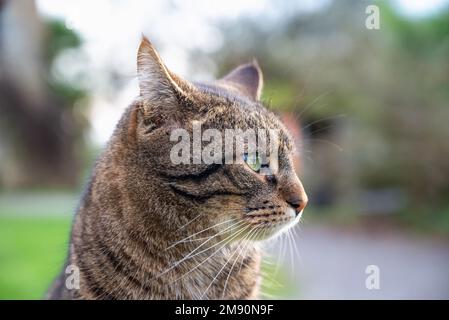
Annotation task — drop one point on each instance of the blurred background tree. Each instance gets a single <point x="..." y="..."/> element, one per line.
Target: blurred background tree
<point x="40" y="128"/>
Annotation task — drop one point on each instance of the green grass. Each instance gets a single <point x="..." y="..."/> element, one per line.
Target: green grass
<point x="434" y="222"/>
<point x="34" y="231"/>
<point x="32" y="251"/>
<point x="276" y="284"/>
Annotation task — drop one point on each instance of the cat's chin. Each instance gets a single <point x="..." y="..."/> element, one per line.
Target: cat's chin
<point x="272" y="229"/>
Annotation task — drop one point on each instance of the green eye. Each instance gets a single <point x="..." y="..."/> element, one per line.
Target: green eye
<point x="253" y="161"/>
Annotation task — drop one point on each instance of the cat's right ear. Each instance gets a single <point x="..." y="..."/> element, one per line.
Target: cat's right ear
<point x="247" y="79"/>
<point x="158" y="86"/>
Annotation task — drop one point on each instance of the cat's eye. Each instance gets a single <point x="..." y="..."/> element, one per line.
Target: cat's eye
<point x="253" y="161"/>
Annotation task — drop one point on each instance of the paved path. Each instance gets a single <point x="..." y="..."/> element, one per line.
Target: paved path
<point x="332" y="265"/>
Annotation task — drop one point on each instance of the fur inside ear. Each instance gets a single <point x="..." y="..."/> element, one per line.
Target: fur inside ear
<point x="157" y="85"/>
<point x="247" y="79"/>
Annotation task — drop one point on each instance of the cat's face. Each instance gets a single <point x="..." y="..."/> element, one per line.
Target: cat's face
<point x="246" y="194"/>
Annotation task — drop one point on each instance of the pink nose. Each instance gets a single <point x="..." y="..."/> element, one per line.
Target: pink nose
<point x="294" y="194"/>
<point x="298" y="204"/>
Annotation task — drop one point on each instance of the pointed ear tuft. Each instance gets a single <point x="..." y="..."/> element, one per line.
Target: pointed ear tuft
<point x="156" y="83"/>
<point x="247" y="79"/>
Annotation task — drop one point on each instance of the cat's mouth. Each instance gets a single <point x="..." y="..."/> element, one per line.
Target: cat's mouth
<point x="270" y="224"/>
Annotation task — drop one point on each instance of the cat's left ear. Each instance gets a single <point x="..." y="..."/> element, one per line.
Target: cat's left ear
<point x="247" y="79"/>
<point x="157" y="84"/>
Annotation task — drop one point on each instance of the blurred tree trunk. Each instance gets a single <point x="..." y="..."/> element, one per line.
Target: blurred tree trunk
<point x="36" y="140"/>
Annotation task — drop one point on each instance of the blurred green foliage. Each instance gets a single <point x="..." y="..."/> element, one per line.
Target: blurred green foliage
<point x="59" y="39"/>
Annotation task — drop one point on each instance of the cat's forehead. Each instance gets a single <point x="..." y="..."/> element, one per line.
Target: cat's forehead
<point x="230" y="109"/>
<point x="223" y="103"/>
<point x="211" y="90"/>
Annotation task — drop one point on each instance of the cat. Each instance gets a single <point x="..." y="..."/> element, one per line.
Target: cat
<point x="149" y="229"/>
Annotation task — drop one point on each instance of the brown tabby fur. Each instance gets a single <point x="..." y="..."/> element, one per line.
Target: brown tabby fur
<point x="138" y="204"/>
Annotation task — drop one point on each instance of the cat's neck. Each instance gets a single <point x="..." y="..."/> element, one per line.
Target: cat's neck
<point x="128" y="260"/>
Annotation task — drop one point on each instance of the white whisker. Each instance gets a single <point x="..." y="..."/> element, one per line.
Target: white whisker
<point x="199" y="232"/>
<point x="214" y="253"/>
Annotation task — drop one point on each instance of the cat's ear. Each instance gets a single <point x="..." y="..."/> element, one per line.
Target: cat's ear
<point x="157" y="84"/>
<point x="246" y="78"/>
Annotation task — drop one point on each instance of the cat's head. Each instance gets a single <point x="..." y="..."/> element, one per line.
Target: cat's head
<point x="252" y="197"/>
